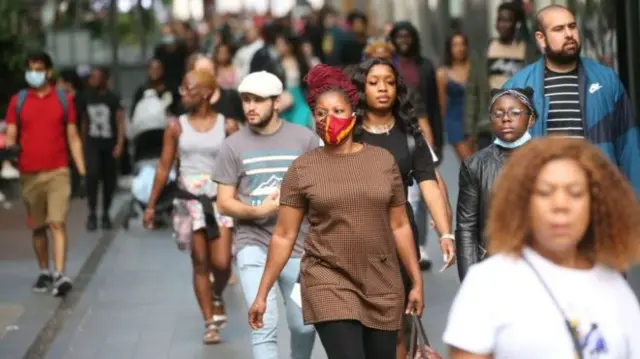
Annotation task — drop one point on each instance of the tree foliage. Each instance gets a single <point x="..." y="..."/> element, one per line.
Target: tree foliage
<point x="14" y="49"/>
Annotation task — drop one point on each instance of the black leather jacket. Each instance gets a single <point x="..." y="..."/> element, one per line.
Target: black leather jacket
<point x="477" y="176"/>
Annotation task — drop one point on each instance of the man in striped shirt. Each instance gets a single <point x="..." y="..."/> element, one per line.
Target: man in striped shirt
<point x="565" y="115"/>
<point x="578" y="97"/>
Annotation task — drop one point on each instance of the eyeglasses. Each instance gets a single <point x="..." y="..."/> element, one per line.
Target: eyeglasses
<point x="182" y="90"/>
<point x="513" y="113"/>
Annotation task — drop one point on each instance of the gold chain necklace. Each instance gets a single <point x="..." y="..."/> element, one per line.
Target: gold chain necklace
<point x="379" y="129"/>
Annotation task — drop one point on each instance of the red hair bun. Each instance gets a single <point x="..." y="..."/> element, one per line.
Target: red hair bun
<point x="323" y="78"/>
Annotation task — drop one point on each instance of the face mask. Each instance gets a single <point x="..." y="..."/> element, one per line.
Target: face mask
<point x="35" y="79"/>
<point x="526" y="137"/>
<point x="168" y="39"/>
<point x="515" y="144"/>
<point x="336" y="129"/>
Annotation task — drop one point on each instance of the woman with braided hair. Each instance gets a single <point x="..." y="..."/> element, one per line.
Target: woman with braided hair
<point x="353" y="196"/>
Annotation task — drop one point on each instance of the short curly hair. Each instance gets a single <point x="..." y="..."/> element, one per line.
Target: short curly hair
<point x="372" y="49"/>
<point x="612" y="237"/>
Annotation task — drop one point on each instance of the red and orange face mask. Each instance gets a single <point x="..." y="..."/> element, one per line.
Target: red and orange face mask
<point x="336" y="129"/>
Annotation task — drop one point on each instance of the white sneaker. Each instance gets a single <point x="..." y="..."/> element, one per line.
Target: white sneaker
<point x="8" y="171"/>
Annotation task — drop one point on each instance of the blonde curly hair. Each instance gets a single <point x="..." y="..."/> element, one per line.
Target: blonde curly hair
<point x="380" y="49"/>
<point x="612" y="237"/>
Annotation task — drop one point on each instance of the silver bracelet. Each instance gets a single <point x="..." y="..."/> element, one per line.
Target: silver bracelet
<point x="448" y="236"/>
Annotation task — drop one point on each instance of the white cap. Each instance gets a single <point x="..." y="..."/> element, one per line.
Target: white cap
<point x="263" y="84"/>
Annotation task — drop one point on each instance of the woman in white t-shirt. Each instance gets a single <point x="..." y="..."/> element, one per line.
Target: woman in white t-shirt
<point x="563" y="227"/>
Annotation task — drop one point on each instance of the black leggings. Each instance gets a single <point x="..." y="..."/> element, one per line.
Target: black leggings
<point x="101" y="168"/>
<point x="349" y="339"/>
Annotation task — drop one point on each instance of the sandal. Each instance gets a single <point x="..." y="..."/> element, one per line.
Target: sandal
<point x="232" y="279"/>
<point x="211" y="334"/>
<point x="219" y="317"/>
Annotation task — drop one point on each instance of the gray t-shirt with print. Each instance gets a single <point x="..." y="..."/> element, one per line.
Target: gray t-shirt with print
<point x="255" y="164"/>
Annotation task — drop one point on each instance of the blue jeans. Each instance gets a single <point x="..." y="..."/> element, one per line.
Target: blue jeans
<point x="251" y="261"/>
<point x="420" y="213"/>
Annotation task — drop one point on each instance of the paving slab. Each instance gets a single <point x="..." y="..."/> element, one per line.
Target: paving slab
<point x="23" y="313"/>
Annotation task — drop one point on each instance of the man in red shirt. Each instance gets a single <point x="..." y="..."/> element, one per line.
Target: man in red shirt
<point x="40" y="120"/>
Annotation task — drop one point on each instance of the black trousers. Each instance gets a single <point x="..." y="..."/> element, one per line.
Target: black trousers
<point x="126" y="162"/>
<point x="75" y="176"/>
<point x="101" y="169"/>
<point x="349" y="339"/>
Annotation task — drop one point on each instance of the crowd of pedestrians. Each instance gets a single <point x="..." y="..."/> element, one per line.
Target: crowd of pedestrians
<point x="309" y="159"/>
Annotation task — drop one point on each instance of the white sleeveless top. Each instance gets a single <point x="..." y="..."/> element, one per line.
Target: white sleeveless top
<point x="198" y="150"/>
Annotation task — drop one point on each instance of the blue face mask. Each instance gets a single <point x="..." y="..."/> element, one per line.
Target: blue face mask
<point x="168" y="39"/>
<point x="515" y="144"/>
<point x="35" y="79"/>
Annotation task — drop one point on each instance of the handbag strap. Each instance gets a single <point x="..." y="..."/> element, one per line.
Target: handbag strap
<point x="572" y="330"/>
<point x="417" y="333"/>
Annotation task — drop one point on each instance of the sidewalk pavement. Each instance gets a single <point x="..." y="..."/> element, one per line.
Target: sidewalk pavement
<point x="23" y="313"/>
<point x="135" y="300"/>
<point x="140" y="303"/>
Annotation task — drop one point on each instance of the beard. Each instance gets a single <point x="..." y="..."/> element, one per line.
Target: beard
<point x="563" y="57"/>
<point x="263" y="121"/>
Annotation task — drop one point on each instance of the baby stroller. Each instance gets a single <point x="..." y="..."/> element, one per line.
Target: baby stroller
<point x="147" y="130"/>
<point x="145" y="172"/>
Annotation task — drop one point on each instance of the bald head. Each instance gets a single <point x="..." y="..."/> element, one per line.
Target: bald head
<point x="558" y="37"/>
<point x="547" y="12"/>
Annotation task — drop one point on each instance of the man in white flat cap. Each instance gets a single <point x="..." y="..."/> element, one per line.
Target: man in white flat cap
<point x="249" y="170"/>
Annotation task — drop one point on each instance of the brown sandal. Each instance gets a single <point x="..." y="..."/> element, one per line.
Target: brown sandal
<point x="211" y="334"/>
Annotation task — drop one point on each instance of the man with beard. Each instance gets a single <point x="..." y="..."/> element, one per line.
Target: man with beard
<point x="249" y="170"/>
<point x="578" y="97"/>
<point x="419" y="74"/>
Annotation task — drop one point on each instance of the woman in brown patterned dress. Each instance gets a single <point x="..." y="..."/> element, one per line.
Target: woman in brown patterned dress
<point x="353" y="196"/>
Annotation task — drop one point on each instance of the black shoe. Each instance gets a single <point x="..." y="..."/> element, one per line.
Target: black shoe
<point x="424" y="261"/>
<point x="61" y="286"/>
<point x="425" y="264"/>
<point x="92" y="223"/>
<point x="43" y="283"/>
<point x="106" y="223"/>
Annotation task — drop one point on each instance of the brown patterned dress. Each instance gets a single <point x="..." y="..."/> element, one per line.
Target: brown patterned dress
<point x="350" y="268"/>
